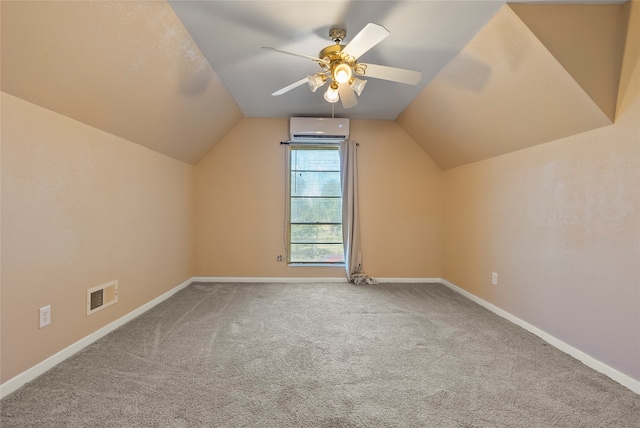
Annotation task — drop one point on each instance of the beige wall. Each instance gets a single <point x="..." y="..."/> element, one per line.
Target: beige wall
<point x="560" y="224"/>
<point x="240" y="194"/>
<point x="81" y="207"/>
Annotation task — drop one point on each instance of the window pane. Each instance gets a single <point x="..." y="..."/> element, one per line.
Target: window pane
<point x="316" y="210"/>
<point x="307" y="159"/>
<point x="308" y="183"/>
<point x="316" y="233"/>
<point x="316" y="253"/>
<point x="315" y="202"/>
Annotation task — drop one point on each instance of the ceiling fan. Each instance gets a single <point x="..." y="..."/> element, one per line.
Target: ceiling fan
<point x="340" y="66"/>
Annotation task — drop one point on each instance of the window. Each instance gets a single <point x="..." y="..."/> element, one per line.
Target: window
<point x="315" y="205"/>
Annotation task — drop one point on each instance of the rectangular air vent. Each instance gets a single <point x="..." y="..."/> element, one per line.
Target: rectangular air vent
<point x="101" y="297"/>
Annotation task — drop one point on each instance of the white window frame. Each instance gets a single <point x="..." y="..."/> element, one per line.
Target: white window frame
<point x="333" y="145"/>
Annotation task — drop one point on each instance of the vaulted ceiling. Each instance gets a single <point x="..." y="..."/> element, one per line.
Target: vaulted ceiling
<point x="177" y="76"/>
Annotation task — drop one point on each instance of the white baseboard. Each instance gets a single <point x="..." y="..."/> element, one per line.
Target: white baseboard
<point x="265" y="279"/>
<point x="13" y="384"/>
<point x="587" y="360"/>
<point x="254" y="279"/>
<point x="27" y="376"/>
<point x="408" y="280"/>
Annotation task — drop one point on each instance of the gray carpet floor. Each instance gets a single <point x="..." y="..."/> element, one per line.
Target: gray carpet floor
<point x="320" y="355"/>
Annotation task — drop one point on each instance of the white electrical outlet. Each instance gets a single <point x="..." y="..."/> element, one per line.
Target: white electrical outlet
<point x="494" y="278"/>
<point x="45" y="316"/>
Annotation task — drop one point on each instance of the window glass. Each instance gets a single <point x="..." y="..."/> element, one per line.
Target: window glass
<point x="315" y="205"/>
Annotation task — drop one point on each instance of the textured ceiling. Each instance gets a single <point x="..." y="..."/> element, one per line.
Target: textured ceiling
<point x="425" y="35"/>
<point x="506" y="90"/>
<point x="177" y="76"/>
<point x="128" y="68"/>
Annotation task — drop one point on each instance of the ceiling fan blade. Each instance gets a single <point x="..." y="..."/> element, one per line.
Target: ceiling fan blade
<point x="368" y="37"/>
<point x="347" y="96"/>
<point x="291" y="86"/>
<point x="393" y="74"/>
<point x="312" y="58"/>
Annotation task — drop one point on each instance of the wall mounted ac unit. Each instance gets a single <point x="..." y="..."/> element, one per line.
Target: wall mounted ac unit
<point x="310" y="128"/>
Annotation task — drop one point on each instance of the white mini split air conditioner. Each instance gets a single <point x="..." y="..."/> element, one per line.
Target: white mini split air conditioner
<point x="308" y="128"/>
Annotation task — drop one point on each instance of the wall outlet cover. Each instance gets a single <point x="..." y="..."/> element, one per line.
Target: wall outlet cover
<point x="45" y="316"/>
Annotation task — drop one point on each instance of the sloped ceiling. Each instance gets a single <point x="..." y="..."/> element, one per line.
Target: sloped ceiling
<point x="496" y="78"/>
<point x="506" y="90"/>
<point x="128" y="68"/>
<point x="586" y="40"/>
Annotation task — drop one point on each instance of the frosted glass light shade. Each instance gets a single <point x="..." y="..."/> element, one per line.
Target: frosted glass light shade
<point x="358" y="85"/>
<point x="342" y="73"/>
<point x="332" y="94"/>
<point x="315" y="81"/>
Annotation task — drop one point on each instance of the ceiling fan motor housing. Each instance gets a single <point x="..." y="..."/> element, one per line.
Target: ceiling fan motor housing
<point x="333" y="54"/>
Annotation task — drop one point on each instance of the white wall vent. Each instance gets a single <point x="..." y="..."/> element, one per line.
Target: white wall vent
<point x="101" y="297"/>
<point x="310" y="128"/>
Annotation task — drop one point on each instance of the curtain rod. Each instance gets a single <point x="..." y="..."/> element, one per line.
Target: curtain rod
<point x="312" y="142"/>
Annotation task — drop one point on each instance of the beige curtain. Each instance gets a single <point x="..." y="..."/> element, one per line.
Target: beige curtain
<point x="351" y="214"/>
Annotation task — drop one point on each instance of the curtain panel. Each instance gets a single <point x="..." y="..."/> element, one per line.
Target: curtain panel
<point x="351" y="214"/>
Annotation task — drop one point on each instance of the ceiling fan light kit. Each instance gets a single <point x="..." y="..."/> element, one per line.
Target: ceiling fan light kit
<point x="332" y="94"/>
<point x="357" y="85"/>
<point x="342" y="73"/>
<point x="315" y="81"/>
<point x="340" y="65"/>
